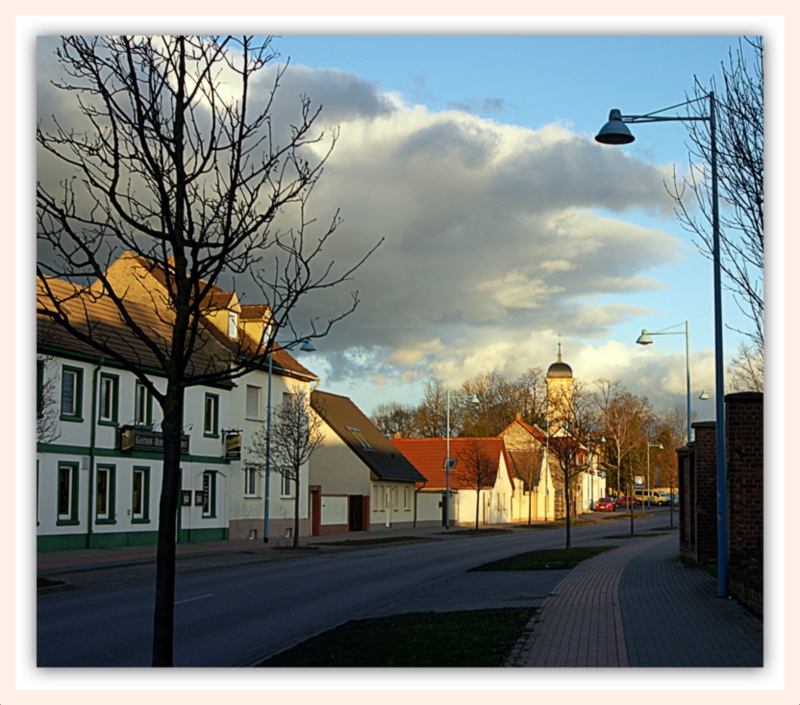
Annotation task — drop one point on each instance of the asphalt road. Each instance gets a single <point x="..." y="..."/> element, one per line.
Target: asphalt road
<point x="237" y="610"/>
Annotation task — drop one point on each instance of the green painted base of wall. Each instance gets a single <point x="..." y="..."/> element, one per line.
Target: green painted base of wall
<point x="79" y="542"/>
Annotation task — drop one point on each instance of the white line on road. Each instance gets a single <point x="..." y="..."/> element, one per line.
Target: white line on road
<point x="192" y="599"/>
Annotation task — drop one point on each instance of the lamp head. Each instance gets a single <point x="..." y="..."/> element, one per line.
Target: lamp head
<point x="644" y="339"/>
<point x="307" y="346"/>
<point x="703" y="395"/>
<point x="615" y="131"/>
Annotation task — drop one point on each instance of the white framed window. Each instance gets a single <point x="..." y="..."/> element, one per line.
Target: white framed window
<point x="232" y="325"/>
<point x="406" y="495"/>
<point x="109" y="396"/>
<point x="209" y="494"/>
<point x="104" y="494"/>
<point x="251" y="481"/>
<point x="253" y="403"/>
<point x="71" y="393"/>
<point x="140" y="499"/>
<point x="67" y="493"/>
<point x="211" y="415"/>
<point x="143" y="406"/>
<point x="287" y="486"/>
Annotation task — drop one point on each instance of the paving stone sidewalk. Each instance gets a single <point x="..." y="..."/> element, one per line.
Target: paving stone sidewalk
<point x="639" y="606"/>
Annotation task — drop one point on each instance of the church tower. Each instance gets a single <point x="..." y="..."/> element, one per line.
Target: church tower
<point x="559" y="394"/>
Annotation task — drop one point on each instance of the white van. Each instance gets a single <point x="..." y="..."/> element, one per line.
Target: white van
<point x="654" y="496"/>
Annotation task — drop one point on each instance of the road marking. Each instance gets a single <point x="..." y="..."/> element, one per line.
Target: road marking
<point x="192" y="599"/>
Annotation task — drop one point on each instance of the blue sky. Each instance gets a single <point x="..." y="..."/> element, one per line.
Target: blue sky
<point x="506" y="226"/>
<point x="571" y="81"/>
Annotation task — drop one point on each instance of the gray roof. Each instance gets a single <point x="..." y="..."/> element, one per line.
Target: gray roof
<point x="364" y="439"/>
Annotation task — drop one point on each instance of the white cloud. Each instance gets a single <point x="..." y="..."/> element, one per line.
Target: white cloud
<point x="496" y="236"/>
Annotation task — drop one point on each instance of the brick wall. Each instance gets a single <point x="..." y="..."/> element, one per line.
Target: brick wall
<point x="744" y="424"/>
<point x="744" y="432"/>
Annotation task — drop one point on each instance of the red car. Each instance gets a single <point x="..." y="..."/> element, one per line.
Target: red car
<point x="627" y="502"/>
<point x="605" y="504"/>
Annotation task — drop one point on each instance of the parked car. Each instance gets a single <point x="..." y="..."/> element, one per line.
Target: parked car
<point x="656" y="497"/>
<point x="627" y="502"/>
<point x="605" y="504"/>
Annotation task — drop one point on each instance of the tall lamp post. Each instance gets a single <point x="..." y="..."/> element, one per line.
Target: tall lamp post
<point x="305" y="346"/>
<point x="649" y="446"/>
<point x="616" y="132"/>
<point x="645" y="339"/>
<point x="448" y="463"/>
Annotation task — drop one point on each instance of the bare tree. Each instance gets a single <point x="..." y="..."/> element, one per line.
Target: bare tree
<point x="574" y="418"/>
<point x="295" y="434"/>
<point x="432" y="411"/>
<point x="476" y="468"/>
<point x="746" y="372"/>
<point x="623" y="417"/>
<point x="740" y="169"/>
<point x="177" y="160"/>
<point x="48" y="428"/>
<point x="393" y="417"/>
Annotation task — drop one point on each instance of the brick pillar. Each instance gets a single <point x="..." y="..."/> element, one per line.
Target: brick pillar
<point x="704" y="491"/>
<point x="685" y="482"/>
<point x="744" y="421"/>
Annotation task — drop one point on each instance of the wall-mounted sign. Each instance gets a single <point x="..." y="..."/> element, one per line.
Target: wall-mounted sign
<point x="186" y="498"/>
<point x="233" y="446"/>
<point x="199" y="498"/>
<point x="130" y="439"/>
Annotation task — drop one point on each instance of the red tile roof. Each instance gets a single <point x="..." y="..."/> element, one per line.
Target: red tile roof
<point x="533" y="430"/>
<point x="428" y="456"/>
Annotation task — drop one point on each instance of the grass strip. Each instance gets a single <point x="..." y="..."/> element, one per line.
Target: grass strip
<point x="471" y="639"/>
<point x="551" y="559"/>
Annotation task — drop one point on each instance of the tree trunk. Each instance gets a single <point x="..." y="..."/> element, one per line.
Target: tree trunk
<point x="569" y="512"/>
<point x="163" y="616"/>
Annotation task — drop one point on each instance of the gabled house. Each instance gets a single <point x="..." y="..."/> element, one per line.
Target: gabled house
<point x="99" y="463"/>
<point x="481" y="485"/>
<point x="534" y="491"/>
<point x="358" y="480"/>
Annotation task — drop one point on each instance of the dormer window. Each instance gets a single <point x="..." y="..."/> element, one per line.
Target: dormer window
<point x="232" y="325"/>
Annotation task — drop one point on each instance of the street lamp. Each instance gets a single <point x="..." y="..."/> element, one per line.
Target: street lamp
<point x="305" y="346"/>
<point x="448" y="462"/>
<point x="649" y="446"/>
<point x="615" y="132"/>
<point x="644" y="339"/>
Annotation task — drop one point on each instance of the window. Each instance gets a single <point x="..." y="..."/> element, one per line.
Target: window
<point x="71" y="394"/>
<point x="67" y="493"/>
<point x="405" y="498"/>
<point x="253" y="410"/>
<point x="140" y="503"/>
<point x="287" y="486"/>
<point x="39" y="388"/>
<point x="104" y="494"/>
<point x="209" y="494"/>
<point x="211" y="415"/>
<point x="143" y="406"/>
<point x="359" y="437"/>
<point x="250" y="481"/>
<point x="109" y="398"/>
<point x="232" y="326"/>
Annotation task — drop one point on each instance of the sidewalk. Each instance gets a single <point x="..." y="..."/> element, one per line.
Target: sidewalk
<point x="602" y="614"/>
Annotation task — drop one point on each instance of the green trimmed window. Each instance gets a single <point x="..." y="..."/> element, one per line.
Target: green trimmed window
<point x="108" y="413"/>
<point x="140" y="500"/>
<point x="211" y="415"/>
<point x="71" y="394"/>
<point x="143" y="406"/>
<point x="209" y="494"/>
<point x="104" y="494"/>
<point x="67" y="493"/>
